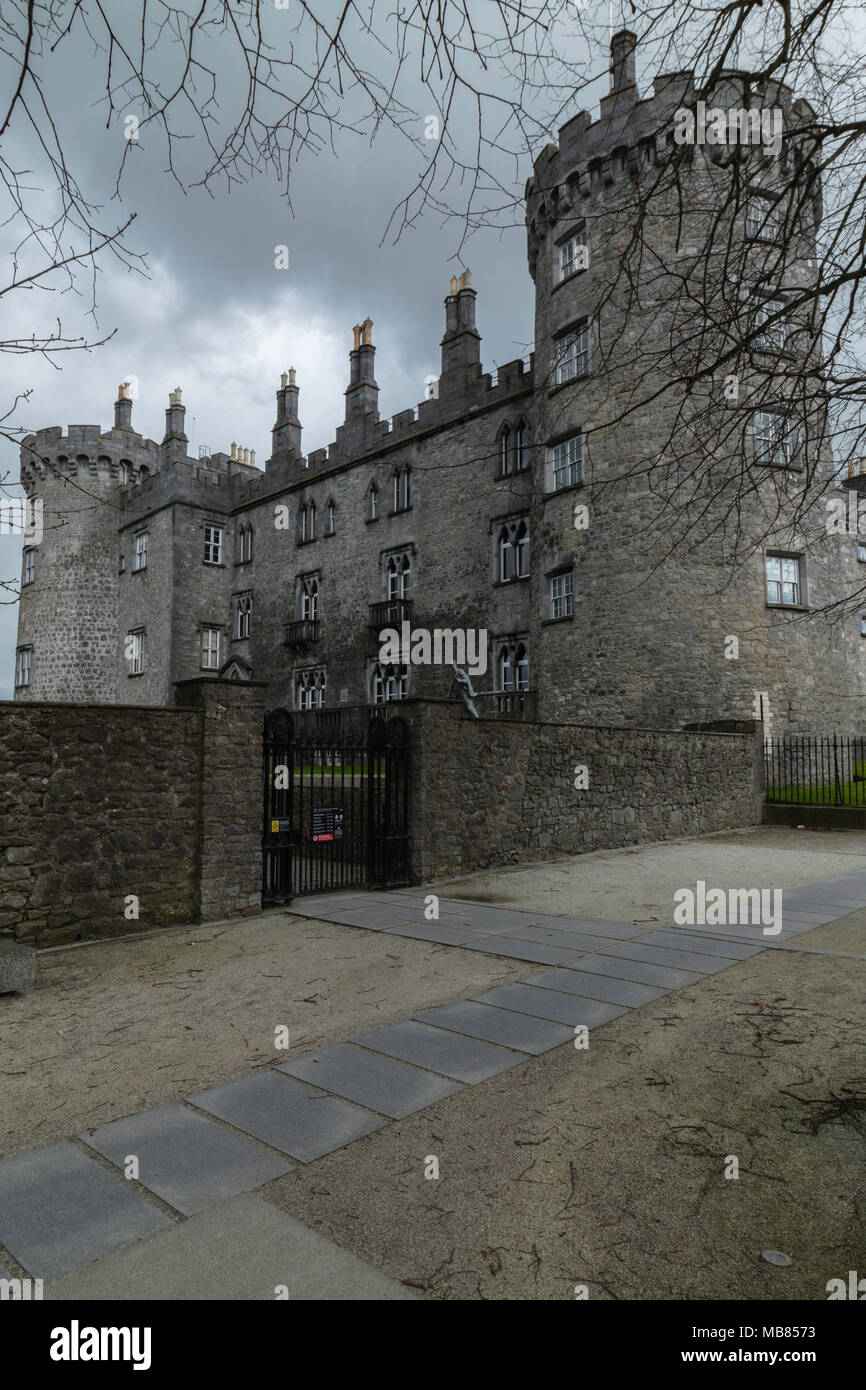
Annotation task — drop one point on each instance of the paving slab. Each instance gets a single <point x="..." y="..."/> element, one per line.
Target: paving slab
<point x="293" y="1118"/>
<point x="520" y="1031"/>
<point x="60" y="1209"/>
<point x="570" y="941"/>
<point x="393" y="1088"/>
<point x="678" y="939"/>
<point x="464" y="1059"/>
<point x="665" y="976"/>
<point x="596" y="926"/>
<point x="437" y="931"/>
<point x="681" y="960"/>
<point x="551" y="1004"/>
<point x="589" y="986"/>
<point x="187" y="1160"/>
<point x="242" y="1250"/>
<point x="521" y="950"/>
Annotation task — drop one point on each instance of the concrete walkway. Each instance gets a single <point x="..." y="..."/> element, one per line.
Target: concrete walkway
<point x="144" y="1206"/>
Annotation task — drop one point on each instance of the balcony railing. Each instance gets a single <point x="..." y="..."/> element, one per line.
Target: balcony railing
<point x="302" y="633"/>
<point x="506" y="704"/>
<point x="391" y="613"/>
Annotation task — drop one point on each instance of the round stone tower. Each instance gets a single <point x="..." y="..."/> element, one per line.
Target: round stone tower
<point x="648" y="640"/>
<point x="68" y="612"/>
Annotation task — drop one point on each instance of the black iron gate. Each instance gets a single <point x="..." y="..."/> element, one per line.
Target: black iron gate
<point x="336" y="804"/>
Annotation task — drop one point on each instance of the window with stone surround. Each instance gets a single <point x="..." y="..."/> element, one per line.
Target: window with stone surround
<point x="139" y="559"/>
<point x="773" y="438"/>
<point x="502" y="451"/>
<point x="561" y="595"/>
<point x="310" y="688"/>
<point x="565" y="462"/>
<point x="521" y="447"/>
<point x="513" y="550"/>
<point x="512" y="665"/>
<point x="213" y="545"/>
<point x="135" y="651"/>
<point x="211" y="644"/>
<point x="29" y="565"/>
<point x="23" y="657"/>
<point x="398" y="575"/>
<point x="243" y="612"/>
<point x="783" y="580"/>
<point x="571" y="355"/>
<point x="372" y="502"/>
<point x="388" y="682"/>
<point x="570" y="255"/>
<point x="308" y="597"/>
<point x="763" y="217"/>
<point x="244" y="551"/>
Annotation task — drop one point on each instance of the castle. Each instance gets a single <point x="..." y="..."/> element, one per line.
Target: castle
<point x="506" y="504"/>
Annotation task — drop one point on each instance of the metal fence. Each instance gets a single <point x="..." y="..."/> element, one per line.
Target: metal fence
<point x="819" y="769"/>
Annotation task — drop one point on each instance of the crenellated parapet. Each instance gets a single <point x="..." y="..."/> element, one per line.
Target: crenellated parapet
<point x="634" y="138"/>
<point x="86" y="452"/>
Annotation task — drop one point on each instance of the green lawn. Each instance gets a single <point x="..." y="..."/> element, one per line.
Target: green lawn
<point x="825" y="794"/>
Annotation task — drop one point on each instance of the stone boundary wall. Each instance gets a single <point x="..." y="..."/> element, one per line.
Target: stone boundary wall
<point x="100" y="802"/>
<point x="492" y="792"/>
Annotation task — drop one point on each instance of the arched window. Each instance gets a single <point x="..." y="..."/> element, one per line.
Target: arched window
<point x="521" y="448"/>
<point x="504" y="437"/>
<point x="506" y="555"/>
<point x="373" y="502"/>
<point x="389" y="683"/>
<point x="522" y="548"/>
<point x="311" y="521"/>
<point x="143" y="472"/>
<point x="302" y="524"/>
<point x="395" y="485"/>
<point x="405" y="490"/>
<point x="399" y="575"/>
<point x="243" y="615"/>
<point x="512" y="667"/>
<point x="505" y="670"/>
<point x="512" y="560"/>
<point x="310" y="689"/>
<point x="240" y="545"/>
<point x="522" y="663"/>
<point x="248" y="544"/>
<point x="310" y="598"/>
<point x="332" y="517"/>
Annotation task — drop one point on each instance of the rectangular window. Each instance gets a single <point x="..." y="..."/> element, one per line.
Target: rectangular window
<point x="772" y="439"/>
<point x="783" y="579"/>
<point x="562" y="596"/>
<point x="861" y="553"/>
<point x="213" y="545"/>
<point x="29" y="565"/>
<point x="135" y="652"/>
<point x="571" y="255"/>
<point x="210" y="648"/>
<point x="863" y="624"/>
<point x="567" y="462"/>
<point x="571" y="355"/>
<point x="771" y="338"/>
<point x="22" y="666"/>
<point x="140" y="560"/>
<point x="763" y="218"/>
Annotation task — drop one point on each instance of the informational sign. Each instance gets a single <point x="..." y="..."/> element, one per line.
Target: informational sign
<point x="278" y="826"/>
<point x="327" y="824"/>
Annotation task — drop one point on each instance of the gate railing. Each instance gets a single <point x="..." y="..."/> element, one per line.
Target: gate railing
<point x="821" y="769"/>
<point x="336" y="806"/>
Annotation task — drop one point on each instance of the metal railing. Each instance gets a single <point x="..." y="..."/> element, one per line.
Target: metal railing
<point x="817" y="769"/>
<point x="389" y="613"/>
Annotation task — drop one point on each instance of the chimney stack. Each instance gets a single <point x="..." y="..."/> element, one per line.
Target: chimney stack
<point x="174" y="444"/>
<point x="622" y="60"/>
<point x="286" y="433"/>
<point x="362" y="395"/>
<point x="461" y="345"/>
<point x="123" y="408"/>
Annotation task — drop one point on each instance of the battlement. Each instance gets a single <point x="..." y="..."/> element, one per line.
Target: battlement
<point x="484" y="391"/>
<point x="633" y="134"/>
<point x="86" y="451"/>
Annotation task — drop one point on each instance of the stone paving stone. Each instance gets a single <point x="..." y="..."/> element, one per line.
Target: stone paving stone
<point x="677" y="939"/>
<point x="550" y="1003"/>
<point x="383" y="1084"/>
<point x="464" y="1059"/>
<point x="680" y="960"/>
<point x="520" y="1031"/>
<point x="437" y="931"/>
<point x="545" y="936"/>
<point x="596" y="926"/>
<point x="589" y="986"/>
<point x="60" y="1209"/>
<point x="293" y="1118"/>
<point x="665" y="976"/>
<point x="521" y="950"/>
<point x="185" y="1159"/>
<point x="242" y="1250"/>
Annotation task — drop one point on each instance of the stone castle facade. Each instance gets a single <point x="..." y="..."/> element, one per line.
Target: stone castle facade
<point x="506" y="502"/>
